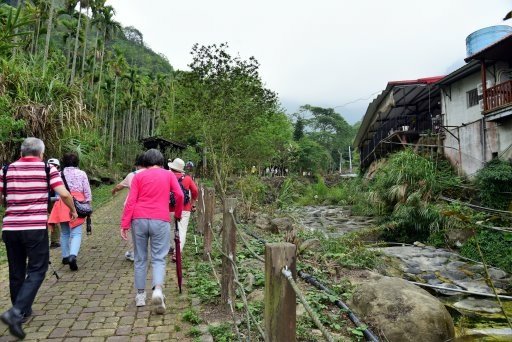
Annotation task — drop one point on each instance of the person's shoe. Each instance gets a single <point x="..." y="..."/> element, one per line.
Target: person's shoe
<point x="72" y="263"/>
<point x="65" y="261"/>
<point x="26" y="317"/>
<point x="54" y="245"/>
<point x="129" y="255"/>
<point x="158" y="300"/>
<point x="140" y="299"/>
<point x="171" y="250"/>
<point x="13" y="320"/>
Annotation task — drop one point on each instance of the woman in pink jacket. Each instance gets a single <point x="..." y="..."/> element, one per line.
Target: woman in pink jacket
<point x="147" y="214"/>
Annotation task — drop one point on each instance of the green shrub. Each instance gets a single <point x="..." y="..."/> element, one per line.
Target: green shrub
<point x="191" y="316"/>
<point x="405" y="187"/>
<point x="222" y="333"/>
<point x="496" y="248"/>
<point x="493" y="182"/>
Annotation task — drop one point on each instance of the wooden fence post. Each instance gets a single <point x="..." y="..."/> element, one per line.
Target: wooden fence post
<point x="229" y="248"/>
<point x="200" y="210"/>
<point x="280" y="308"/>
<point x="209" y="211"/>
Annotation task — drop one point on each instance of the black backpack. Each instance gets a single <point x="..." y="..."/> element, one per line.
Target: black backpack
<point x="186" y="193"/>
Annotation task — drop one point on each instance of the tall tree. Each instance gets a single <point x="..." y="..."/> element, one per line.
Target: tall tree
<point x="110" y="27"/>
<point x="49" y="26"/>
<point x="222" y="98"/>
<point x="71" y="5"/>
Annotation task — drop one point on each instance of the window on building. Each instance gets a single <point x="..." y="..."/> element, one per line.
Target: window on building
<point x="473" y="97"/>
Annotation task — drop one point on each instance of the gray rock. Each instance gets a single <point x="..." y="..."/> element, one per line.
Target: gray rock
<point x="256" y="296"/>
<point x="428" y="276"/>
<point x="453" y="274"/>
<point x="478" y="305"/>
<point x="448" y="292"/>
<point x="249" y="282"/>
<point x="496" y="273"/>
<point x="456" y="237"/>
<point x="262" y="222"/>
<point x="311" y="244"/>
<point x="281" y="224"/>
<point x="402" y="311"/>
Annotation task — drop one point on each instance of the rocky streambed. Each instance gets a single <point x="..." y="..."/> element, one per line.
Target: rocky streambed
<point x="482" y="315"/>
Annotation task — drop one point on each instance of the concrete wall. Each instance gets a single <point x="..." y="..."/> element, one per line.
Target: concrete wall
<point x="456" y="106"/>
<point x="478" y="139"/>
<point x="472" y="142"/>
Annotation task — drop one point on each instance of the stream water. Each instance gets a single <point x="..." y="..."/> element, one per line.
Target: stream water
<point x="477" y="317"/>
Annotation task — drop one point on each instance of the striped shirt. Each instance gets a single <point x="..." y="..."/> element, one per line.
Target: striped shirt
<point x="27" y="194"/>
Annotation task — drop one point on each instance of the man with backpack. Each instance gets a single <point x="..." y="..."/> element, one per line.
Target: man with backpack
<point x="25" y="186"/>
<point x="190" y="193"/>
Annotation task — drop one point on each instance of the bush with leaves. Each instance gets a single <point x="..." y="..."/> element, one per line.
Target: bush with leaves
<point x="494" y="183"/>
<point x="496" y="248"/>
<point x="405" y="186"/>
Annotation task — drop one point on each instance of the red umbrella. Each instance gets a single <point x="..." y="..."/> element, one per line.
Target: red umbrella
<point x="177" y="250"/>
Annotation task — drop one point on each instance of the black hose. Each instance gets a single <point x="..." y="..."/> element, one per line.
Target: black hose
<point x="313" y="281"/>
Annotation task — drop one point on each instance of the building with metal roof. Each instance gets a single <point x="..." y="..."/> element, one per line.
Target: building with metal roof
<point x="403" y="112"/>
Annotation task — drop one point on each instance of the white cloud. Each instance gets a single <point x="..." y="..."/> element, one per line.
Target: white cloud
<point x="323" y="52"/>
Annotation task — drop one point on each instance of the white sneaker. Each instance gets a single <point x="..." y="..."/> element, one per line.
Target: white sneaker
<point x="158" y="301"/>
<point x="129" y="256"/>
<point x="140" y="299"/>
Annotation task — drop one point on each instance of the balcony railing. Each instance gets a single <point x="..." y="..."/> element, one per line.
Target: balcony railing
<point x="498" y="96"/>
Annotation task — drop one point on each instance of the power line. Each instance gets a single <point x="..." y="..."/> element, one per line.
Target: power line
<point x="359" y="99"/>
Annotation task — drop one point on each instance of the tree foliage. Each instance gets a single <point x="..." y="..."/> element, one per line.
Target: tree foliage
<point x="494" y="183"/>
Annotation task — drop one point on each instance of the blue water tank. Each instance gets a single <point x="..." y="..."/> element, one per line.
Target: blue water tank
<point x="482" y="38"/>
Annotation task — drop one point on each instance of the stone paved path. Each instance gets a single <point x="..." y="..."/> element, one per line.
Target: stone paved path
<point x="97" y="302"/>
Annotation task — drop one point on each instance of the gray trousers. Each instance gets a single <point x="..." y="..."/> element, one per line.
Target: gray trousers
<point x="157" y="233"/>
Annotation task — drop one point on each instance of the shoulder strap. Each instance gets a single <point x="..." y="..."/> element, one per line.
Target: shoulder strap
<point x="64" y="179"/>
<point x="47" y="171"/>
<point x="4" y="189"/>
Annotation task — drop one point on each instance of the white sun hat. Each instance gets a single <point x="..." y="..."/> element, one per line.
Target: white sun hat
<point x="177" y="165"/>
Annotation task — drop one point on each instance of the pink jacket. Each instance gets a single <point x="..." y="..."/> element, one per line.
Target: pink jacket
<point x="149" y="197"/>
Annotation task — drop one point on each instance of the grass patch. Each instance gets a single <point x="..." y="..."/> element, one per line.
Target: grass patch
<point x="222" y="333"/>
<point x="101" y="195"/>
<point x="194" y="332"/>
<point x="496" y="248"/>
<point x="191" y="316"/>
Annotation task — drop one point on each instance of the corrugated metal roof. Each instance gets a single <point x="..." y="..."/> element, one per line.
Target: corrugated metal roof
<point x="399" y="98"/>
<point x="462" y="72"/>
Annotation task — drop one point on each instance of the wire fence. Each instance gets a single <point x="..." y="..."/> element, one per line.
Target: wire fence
<point x="251" y="320"/>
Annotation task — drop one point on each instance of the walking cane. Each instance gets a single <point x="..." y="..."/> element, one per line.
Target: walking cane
<point x="54" y="270"/>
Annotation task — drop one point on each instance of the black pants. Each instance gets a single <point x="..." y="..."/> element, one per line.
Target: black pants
<point x="26" y="278"/>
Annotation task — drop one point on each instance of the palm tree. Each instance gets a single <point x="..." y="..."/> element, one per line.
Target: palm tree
<point x="110" y="27"/>
<point x="72" y="4"/>
<point x="133" y="78"/>
<point x="118" y="65"/>
<point x="48" y="34"/>
<point x="87" y="4"/>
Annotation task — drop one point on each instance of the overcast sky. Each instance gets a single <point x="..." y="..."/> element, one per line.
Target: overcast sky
<point x="320" y="52"/>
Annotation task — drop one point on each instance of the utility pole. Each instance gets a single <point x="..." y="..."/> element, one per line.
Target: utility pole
<point x="341" y="155"/>
<point x="350" y="158"/>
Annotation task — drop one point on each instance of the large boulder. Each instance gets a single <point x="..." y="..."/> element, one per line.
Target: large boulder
<point x="401" y="311"/>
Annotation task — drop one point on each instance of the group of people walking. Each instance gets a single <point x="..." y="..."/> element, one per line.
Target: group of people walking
<point x="31" y="188"/>
<point x="150" y="215"/>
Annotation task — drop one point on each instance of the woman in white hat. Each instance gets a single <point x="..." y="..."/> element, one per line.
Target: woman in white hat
<point x="189" y="188"/>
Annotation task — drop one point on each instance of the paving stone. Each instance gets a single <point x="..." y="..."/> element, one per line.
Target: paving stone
<point x="159" y="337"/>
